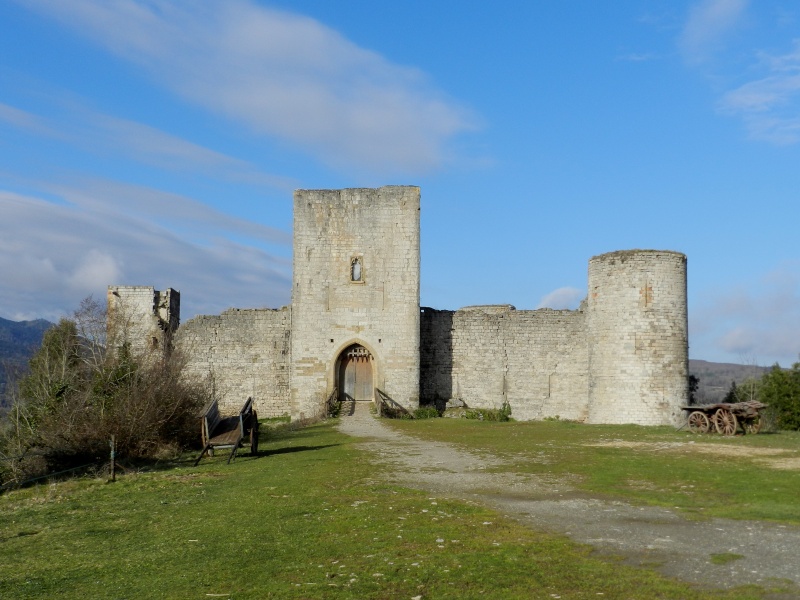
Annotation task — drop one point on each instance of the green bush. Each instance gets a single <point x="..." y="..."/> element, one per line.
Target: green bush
<point x="395" y="412"/>
<point x="780" y="388"/>
<point x="427" y="412"/>
<point x="490" y="414"/>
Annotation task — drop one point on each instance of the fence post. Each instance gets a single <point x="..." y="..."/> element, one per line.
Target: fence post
<point x="113" y="459"/>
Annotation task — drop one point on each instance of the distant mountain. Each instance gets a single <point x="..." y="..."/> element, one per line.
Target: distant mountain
<point x="715" y="378"/>
<point x="18" y="342"/>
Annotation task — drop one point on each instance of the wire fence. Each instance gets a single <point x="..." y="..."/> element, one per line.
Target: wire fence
<point x="18" y="484"/>
<point x="100" y="465"/>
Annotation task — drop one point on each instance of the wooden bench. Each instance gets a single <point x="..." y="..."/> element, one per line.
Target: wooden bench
<point x="228" y="432"/>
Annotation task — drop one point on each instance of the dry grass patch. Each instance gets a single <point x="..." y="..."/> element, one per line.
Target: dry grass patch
<point x="731" y="451"/>
<point x="788" y="464"/>
<point x="745" y="477"/>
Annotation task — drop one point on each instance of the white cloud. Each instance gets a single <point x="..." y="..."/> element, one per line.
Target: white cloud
<point x="94" y="271"/>
<point x="565" y="297"/>
<point x="280" y="74"/>
<point x="100" y="133"/>
<point x="759" y="319"/>
<point x="113" y="198"/>
<point x="54" y="254"/>
<point x="637" y="57"/>
<point x="25" y="120"/>
<point x="768" y="100"/>
<point x="770" y="105"/>
<point x="760" y="342"/>
<point x="708" y="24"/>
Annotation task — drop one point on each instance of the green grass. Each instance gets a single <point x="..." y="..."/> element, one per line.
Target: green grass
<point x="668" y="468"/>
<point x="309" y="518"/>
<point x="724" y="558"/>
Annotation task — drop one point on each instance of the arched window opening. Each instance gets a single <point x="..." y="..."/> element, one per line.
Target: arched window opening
<point x="356" y="270"/>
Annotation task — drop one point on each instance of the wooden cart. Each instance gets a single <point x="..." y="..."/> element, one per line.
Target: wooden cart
<point x="228" y="432"/>
<point x="725" y="418"/>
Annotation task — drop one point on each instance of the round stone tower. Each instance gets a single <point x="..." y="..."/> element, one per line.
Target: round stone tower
<point x="638" y="337"/>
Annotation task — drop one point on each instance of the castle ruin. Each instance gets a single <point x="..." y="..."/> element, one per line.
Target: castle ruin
<point x="355" y="325"/>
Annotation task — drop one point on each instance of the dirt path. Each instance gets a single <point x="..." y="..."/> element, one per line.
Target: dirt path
<point x="653" y="537"/>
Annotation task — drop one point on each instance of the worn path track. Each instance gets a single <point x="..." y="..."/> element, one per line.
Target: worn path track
<point x="655" y="537"/>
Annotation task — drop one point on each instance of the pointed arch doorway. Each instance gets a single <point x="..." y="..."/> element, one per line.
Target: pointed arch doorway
<point x="354" y="374"/>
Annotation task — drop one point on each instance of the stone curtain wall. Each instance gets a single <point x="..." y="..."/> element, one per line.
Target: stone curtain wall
<point x="621" y="358"/>
<point x="246" y="352"/>
<point x="547" y="364"/>
<point x="536" y="360"/>
<point x="380" y="228"/>
<point x="638" y="337"/>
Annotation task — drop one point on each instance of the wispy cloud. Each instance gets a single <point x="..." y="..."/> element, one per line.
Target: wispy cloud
<point x="280" y="74"/>
<point x="770" y="105"/>
<point x="113" y="199"/>
<point x="565" y="297"/>
<point x="52" y="254"/>
<point x="73" y="234"/>
<point x="764" y="324"/>
<point x="637" y="57"/>
<point x="26" y="121"/>
<point x="101" y="133"/>
<point x="707" y="26"/>
<point x="768" y="100"/>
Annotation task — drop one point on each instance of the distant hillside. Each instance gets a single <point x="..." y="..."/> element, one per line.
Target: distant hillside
<point x="716" y="378"/>
<point x="18" y="341"/>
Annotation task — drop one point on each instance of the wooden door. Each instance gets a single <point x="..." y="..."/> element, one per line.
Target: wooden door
<point x="355" y="374"/>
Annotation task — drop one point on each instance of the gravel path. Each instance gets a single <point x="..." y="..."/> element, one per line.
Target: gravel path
<point x="653" y="537"/>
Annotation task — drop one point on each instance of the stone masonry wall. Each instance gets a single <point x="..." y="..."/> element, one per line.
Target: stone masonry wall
<point x="621" y="358"/>
<point x="535" y="360"/>
<point x="638" y="337"/>
<point x="246" y="352"/>
<point x="332" y="228"/>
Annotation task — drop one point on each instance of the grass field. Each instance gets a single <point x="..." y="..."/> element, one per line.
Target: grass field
<point x="741" y="477"/>
<point x="311" y="518"/>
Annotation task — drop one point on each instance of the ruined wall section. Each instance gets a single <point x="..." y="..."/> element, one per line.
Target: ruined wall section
<point x="142" y="317"/>
<point x="332" y="228"/>
<point x="638" y="337"/>
<point x="436" y="355"/>
<point x="243" y="353"/>
<point x="535" y="360"/>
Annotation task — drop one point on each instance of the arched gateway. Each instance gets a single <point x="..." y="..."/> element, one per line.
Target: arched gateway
<point x="354" y="374"/>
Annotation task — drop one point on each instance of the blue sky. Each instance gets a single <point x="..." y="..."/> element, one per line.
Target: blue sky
<point x="158" y="143"/>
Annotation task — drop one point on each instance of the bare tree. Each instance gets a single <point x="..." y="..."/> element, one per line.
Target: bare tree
<point x="81" y="390"/>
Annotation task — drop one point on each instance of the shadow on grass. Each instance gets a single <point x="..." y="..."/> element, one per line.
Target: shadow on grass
<point x="282" y="432"/>
<point x="247" y="456"/>
<point x="291" y="449"/>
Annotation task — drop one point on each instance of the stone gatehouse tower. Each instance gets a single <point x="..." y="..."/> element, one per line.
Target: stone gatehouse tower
<point x="355" y="325"/>
<point x="355" y="295"/>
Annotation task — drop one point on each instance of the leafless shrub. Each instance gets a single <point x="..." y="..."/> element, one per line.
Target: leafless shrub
<point x="80" y="392"/>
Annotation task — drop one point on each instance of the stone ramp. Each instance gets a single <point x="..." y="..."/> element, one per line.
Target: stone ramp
<point x="352" y="409"/>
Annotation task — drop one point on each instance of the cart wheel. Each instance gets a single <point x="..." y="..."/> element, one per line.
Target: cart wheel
<point x="254" y="435"/>
<point x="725" y="422"/>
<point x="753" y="425"/>
<point x="698" y="422"/>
